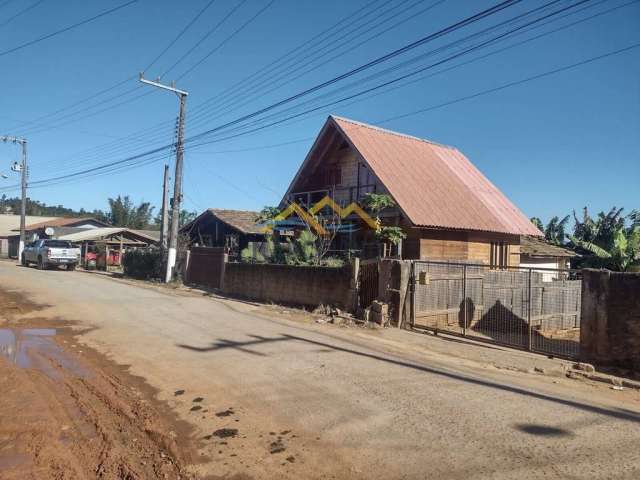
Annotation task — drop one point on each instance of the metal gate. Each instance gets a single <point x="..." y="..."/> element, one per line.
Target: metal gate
<point x="536" y="309"/>
<point x="367" y="283"/>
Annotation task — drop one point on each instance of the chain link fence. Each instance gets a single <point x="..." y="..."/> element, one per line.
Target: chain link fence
<point x="531" y="308"/>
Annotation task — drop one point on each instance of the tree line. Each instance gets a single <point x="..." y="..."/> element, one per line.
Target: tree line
<point x="122" y="211"/>
<point x="608" y="240"/>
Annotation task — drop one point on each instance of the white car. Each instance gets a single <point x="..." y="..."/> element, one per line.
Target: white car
<point x="48" y="253"/>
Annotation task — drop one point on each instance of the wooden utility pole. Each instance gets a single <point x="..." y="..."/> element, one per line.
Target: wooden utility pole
<point x="177" y="180"/>
<point x="164" y="225"/>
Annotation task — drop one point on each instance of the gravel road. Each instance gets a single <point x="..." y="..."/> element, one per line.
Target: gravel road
<point x="275" y="398"/>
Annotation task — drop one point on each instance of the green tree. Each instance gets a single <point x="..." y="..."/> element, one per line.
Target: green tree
<point x="606" y="241"/>
<point x="186" y="217"/>
<point x="537" y="223"/>
<point x="555" y="231"/>
<point x="123" y="213"/>
<point x="376" y="203"/>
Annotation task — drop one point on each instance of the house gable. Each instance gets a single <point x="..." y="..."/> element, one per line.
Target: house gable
<point x="435" y="186"/>
<point x="332" y="167"/>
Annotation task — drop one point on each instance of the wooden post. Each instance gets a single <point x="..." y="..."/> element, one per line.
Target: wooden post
<point x="121" y="251"/>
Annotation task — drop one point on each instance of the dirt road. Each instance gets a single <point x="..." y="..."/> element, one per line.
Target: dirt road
<point x="274" y="398"/>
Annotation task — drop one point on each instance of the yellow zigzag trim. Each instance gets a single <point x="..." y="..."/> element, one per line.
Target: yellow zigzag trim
<point x="344" y="212"/>
<point x="327" y="201"/>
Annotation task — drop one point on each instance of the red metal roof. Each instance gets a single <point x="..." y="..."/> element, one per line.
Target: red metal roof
<point x="434" y="185"/>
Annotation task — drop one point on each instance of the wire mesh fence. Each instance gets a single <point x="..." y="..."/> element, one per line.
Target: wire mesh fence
<point x="531" y="308"/>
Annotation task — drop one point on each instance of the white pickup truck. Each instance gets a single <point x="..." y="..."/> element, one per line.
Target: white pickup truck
<point x="47" y="253"/>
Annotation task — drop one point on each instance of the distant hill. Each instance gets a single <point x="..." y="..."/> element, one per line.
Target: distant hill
<point x="36" y="208"/>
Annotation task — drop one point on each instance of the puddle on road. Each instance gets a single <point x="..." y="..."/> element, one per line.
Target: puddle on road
<point x="35" y="348"/>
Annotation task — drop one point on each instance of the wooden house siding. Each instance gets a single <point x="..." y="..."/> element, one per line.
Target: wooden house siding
<point x="445" y="245"/>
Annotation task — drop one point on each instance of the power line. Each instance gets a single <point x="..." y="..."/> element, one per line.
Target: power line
<point x="277" y="63"/>
<point x="512" y="84"/>
<point x="221" y="44"/>
<point x="16" y="15"/>
<point x="439" y="106"/>
<point x="66" y="29"/>
<point x="136" y="137"/>
<point x="210" y="32"/>
<point x="120" y="83"/>
<point x="177" y="37"/>
<point x="377" y="61"/>
<point x="396" y="52"/>
<point x="508" y="34"/>
<point x="415" y="112"/>
<point x="226" y="103"/>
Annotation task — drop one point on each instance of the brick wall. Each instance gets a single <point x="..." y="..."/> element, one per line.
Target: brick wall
<point x="610" y="327"/>
<point x="294" y="285"/>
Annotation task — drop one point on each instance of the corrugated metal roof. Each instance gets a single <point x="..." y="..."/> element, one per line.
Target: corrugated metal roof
<point x="100" y="233"/>
<point x="64" y="222"/>
<point x="10" y="223"/>
<point x="434" y="185"/>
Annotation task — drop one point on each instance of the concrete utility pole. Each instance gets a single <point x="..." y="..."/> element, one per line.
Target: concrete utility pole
<point x="164" y="225"/>
<point x="22" y="168"/>
<point x="177" y="181"/>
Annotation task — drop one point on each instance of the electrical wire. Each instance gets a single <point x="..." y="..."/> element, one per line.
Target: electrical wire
<point x="474" y="18"/>
<point x="286" y="73"/>
<point x="497" y="88"/>
<point x="23" y="11"/>
<point x="204" y="37"/>
<point x="66" y="29"/>
<point x="154" y="128"/>
<point x="465" y="22"/>
<point x="179" y="35"/>
<point x="221" y="44"/>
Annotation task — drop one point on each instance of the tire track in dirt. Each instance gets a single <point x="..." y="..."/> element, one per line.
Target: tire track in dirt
<point x="69" y="413"/>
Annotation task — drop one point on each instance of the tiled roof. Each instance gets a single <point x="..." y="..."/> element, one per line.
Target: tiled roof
<point x="242" y="220"/>
<point x="434" y="185"/>
<point x="537" y="247"/>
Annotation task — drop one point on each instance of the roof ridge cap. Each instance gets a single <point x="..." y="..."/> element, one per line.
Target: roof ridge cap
<point x="392" y="132"/>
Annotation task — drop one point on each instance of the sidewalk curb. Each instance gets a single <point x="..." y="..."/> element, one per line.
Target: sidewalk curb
<point x="604" y="378"/>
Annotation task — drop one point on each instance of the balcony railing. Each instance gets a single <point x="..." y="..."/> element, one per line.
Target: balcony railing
<point x="343" y="196"/>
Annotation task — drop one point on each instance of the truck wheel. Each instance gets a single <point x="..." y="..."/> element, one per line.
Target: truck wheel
<point x="41" y="264"/>
<point x="23" y="260"/>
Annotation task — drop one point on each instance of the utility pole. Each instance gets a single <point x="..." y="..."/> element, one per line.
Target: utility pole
<point x="22" y="168"/>
<point x="164" y="225"/>
<point x="177" y="181"/>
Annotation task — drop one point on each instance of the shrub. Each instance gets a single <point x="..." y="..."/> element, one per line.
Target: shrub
<point x="332" y="262"/>
<point x="143" y="264"/>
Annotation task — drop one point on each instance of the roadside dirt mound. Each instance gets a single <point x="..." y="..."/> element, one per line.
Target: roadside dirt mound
<point x="67" y="414"/>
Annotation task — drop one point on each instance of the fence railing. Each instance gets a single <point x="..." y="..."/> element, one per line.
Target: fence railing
<point x="532" y="308"/>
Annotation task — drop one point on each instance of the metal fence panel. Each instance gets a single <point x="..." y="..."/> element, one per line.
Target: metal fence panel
<point x="534" y="309"/>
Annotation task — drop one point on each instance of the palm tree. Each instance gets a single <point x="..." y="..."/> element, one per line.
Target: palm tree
<point x="555" y="231"/>
<point x="537" y="223"/>
<point x="607" y="242"/>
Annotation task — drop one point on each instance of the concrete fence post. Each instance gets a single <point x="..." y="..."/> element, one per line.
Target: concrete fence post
<point x="355" y="283"/>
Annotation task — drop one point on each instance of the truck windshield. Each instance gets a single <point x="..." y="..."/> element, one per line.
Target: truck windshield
<point x="57" y="244"/>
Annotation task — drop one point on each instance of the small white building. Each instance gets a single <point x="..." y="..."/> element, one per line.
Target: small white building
<point x="537" y="253"/>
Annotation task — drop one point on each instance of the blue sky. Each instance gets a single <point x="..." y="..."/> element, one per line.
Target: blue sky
<point x="554" y="144"/>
